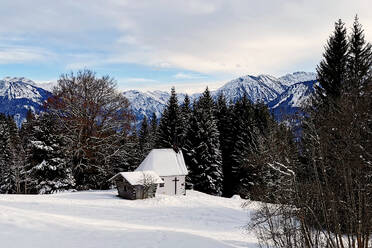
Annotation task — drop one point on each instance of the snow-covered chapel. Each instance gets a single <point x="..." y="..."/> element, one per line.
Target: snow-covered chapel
<point x="171" y="168"/>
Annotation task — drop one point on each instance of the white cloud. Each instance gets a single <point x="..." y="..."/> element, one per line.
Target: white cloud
<point x="136" y="80"/>
<point x="17" y="54"/>
<point x="182" y="75"/>
<point x="231" y="36"/>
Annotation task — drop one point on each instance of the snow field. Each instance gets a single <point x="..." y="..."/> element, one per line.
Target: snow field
<point x="101" y="219"/>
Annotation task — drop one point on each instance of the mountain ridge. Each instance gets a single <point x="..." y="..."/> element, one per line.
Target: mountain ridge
<point x="18" y="95"/>
<point x="283" y="95"/>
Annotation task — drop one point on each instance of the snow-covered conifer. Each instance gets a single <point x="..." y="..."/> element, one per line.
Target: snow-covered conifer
<point x="202" y="148"/>
<point x="47" y="167"/>
<point x="169" y="130"/>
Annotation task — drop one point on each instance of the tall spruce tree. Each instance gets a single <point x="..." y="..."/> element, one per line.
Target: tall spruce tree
<point x="134" y="155"/>
<point x="47" y="167"/>
<point x="223" y="114"/>
<point x="169" y="130"/>
<point x="244" y="173"/>
<point x="17" y="152"/>
<point x="333" y="68"/>
<point x="359" y="57"/>
<point x="153" y="130"/>
<point x="144" y="138"/>
<point x="203" y="155"/>
<point x="185" y="115"/>
<point x="7" y="176"/>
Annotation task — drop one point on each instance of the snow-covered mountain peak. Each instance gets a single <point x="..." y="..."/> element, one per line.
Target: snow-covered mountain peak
<point x="17" y="88"/>
<point x="257" y="88"/>
<point x="18" y="95"/>
<point x="18" y="79"/>
<point x="296" y="77"/>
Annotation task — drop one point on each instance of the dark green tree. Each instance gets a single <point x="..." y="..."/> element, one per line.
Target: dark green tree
<point x="359" y="57"/>
<point x="7" y="177"/>
<point x="185" y="115"/>
<point x="47" y="167"/>
<point x="153" y="130"/>
<point x="202" y="148"/>
<point x="144" y="138"/>
<point x="246" y="132"/>
<point x="224" y="116"/>
<point x="333" y="68"/>
<point x="169" y="130"/>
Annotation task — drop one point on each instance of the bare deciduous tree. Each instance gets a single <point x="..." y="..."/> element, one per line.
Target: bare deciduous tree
<point x="93" y="115"/>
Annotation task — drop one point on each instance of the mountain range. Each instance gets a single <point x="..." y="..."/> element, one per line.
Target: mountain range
<point x="18" y="95"/>
<point x="283" y="95"/>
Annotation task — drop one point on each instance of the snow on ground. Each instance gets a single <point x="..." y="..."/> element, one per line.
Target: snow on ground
<point x="101" y="219"/>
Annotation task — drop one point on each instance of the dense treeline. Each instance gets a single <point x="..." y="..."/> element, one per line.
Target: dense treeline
<point x="324" y="199"/>
<point x="220" y="141"/>
<point x="87" y="134"/>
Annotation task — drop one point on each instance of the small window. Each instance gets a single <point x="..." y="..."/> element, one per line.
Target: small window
<point x="125" y="188"/>
<point x="161" y="185"/>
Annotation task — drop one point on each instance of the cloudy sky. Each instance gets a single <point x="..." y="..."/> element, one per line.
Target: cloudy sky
<point x="155" y="44"/>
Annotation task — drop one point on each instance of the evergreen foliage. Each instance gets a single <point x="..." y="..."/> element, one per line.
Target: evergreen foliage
<point x="203" y="155"/>
<point x="245" y="143"/>
<point x="185" y="116"/>
<point x="47" y="168"/>
<point x="169" y="131"/>
<point x="359" y="58"/>
<point x="224" y="117"/>
<point x="332" y="69"/>
<point x="153" y="129"/>
<point x="7" y="175"/>
<point x="144" y="138"/>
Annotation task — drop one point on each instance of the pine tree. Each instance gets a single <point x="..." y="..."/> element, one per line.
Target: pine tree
<point x="332" y="69"/>
<point x="7" y="176"/>
<point x="359" y="57"/>
<point x="223" y="115"/>
<point x="246" y="133"/>
<point x="134" y="155"/>
<point x="17" y="152"/>
<point x="203" y="155"/>
<point x="185" y="116"/>
<point x="169" y="130"/>
<point x="47" y="167"/>
<point x="144" y="138"/>
<point x="153" y="129"/>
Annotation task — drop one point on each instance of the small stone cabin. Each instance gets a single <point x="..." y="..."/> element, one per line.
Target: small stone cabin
<point x="137" y="184"/>
<point x="171" y="168"/>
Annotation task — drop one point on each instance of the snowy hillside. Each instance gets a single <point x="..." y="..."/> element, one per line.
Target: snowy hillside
<point x="17" y="95"/>
<point x="101" y="219"/>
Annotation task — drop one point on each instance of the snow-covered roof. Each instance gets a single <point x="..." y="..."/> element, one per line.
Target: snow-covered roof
<point x="165" y="162"/>
<point x="139" y="177"/>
